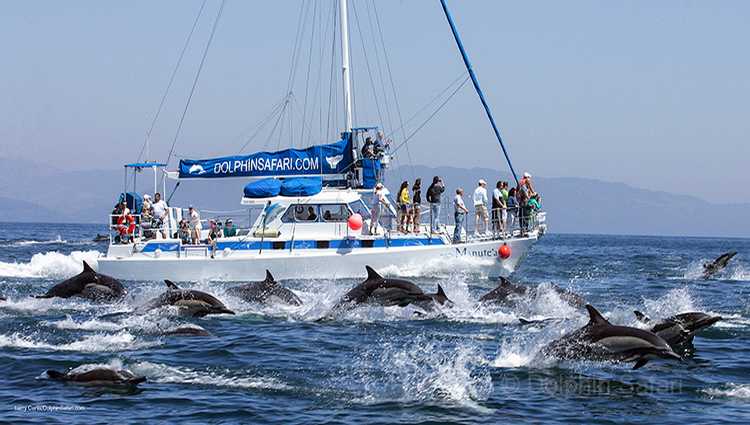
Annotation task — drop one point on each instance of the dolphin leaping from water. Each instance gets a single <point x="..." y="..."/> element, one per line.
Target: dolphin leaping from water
<point x="508" y="293"/>
<point x="680" y="329"/>
<point x="378" y="290"/>
<point x="192" y="302"/>
<point x="603" y="341"/>
<point x="264" y="292"/>
<point x="88" y="284"/>
<point x="718" y="264"/>
<point x="100" y="375"/>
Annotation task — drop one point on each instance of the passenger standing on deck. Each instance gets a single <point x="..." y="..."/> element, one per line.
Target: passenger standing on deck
<point x="498" y="206"/>
<point x="512" y="209"/>
<point x="379" y="203"/>
<point x="159" y="208"/>
<point x="434" y="195"/>
<point x="195" y="224"/>
<point x="504" y="211"/>
<point x="403" y="207"/>
<point x="526" y="185"/>
<point x="416" y="203"/>
<point x="480" y="208"/>
<point x="459" y="213"/>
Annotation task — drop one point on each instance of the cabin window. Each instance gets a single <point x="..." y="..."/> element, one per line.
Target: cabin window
<point x="301" y="213"/>
<point x="334" y="213"/>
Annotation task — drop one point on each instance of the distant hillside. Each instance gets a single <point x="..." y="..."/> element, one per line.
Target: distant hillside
<point x="583" y="205"/>
<point x="35" y="192"/>
<point x="15" y="210"/>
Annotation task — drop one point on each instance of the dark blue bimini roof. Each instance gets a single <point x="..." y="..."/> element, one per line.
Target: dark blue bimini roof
<point x="301" y="186"/>
<point x="265" y="188"/>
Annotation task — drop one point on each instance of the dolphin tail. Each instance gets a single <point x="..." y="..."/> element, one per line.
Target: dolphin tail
<point x="53" y="374"/>
<point x="595" y="317"/>
<point x="372" y="274"/>
<point x="171" y="285"/>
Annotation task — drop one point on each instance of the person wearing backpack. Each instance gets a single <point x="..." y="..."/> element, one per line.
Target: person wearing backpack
<point x="433" y="197"/>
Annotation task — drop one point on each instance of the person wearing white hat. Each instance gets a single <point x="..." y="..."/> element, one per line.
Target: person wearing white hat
<point x="480" y="208"/>
<point x="379" y="202"/>
<point x="525" y="184"/>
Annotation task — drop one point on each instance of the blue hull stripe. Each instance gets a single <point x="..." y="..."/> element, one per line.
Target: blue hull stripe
<point x="341" y="244"/>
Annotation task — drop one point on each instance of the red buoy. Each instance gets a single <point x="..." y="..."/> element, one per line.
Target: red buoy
<point x="504" y="251"/>
<point x="355" y="222"/>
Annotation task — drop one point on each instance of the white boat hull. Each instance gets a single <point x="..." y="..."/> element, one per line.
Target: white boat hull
<point x="476" y="256"/>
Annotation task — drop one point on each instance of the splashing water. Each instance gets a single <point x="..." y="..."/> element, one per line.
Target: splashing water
<point x="737" y="391"/>
<point x="158" y="372"/>
<point x="423" y="371"/>
<point x="121" y="341"/>
<point x="51" y="265"/>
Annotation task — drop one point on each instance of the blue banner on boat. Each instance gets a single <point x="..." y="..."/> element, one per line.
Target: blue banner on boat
<point x="333" y="158"/>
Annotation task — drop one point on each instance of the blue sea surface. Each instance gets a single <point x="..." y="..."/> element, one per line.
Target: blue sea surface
<point x="467" y="364"/>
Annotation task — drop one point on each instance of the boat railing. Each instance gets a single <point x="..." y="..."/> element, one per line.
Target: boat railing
<point x="134" y="228"/>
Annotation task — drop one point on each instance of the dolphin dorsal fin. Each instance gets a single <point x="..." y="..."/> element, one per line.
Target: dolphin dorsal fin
<point x="372" y="274"/>
<point x="87" y="268"/>
<point x="171" y="285"/>
<point x="440" y="292"/>
<point x="269" y="277"/>
<point x="641" y="317"/>
<point x="595" y="317"/>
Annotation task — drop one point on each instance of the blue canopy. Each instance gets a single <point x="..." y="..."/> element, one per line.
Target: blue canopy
<point x="265" y="188"/>
<point x="331" y="159"/>
<point x="301" y="186"/>
<point x="133" y="200"/>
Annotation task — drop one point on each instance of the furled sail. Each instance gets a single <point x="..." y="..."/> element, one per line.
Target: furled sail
<point x="319" y="160"/>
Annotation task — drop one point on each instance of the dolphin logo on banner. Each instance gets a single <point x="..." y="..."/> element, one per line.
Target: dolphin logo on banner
<point x="333" y="161"/>
<point x="196" y="169"/>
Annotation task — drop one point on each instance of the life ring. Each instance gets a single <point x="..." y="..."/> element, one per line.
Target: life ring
<point x="130" y="228"/>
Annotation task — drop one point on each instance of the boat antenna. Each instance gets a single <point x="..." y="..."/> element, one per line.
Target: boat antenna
<point x="344" y="21"/>
<point x="478" y="89"/>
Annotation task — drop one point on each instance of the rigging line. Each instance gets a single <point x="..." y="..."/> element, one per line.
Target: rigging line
<point x="428" y="104"/>
<point x="171" y="79"/>
<point x="390" y="76"/>
<point x="379" y="64"/>
<point x="263" y="123"/>
<point x="367" y="64"/>
<point x="332" y="82"/>
<point x="276" y="124"/>
<point x="304" y="123"/>
<point x="431" y="115"/>
<point x="309" y="66"/>
<point x="297" y="36"/>
<point x="195" y="80"/>
<point x="320" y="88"/>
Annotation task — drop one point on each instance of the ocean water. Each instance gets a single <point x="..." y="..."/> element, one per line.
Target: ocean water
<point x="468" y="364"/>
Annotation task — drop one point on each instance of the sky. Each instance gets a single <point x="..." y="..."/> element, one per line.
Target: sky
<point x="653" y="94"/>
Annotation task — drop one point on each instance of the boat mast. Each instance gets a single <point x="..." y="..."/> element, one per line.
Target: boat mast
<point x="344" y="20"/>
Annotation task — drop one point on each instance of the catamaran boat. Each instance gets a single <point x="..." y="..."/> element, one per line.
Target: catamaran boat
<point x="311" y="216"/>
